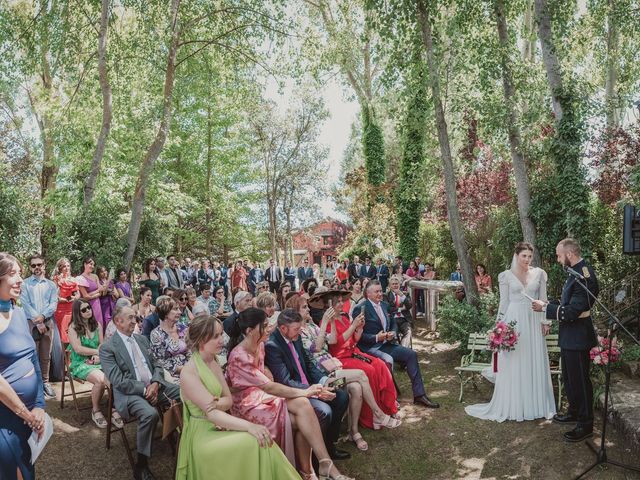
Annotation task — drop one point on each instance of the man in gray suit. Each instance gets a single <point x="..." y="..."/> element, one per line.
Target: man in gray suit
<point x="138" y="383"/>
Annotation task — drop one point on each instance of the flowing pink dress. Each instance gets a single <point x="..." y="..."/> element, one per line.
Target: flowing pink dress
<point x="92" y="286"/>
<point x="245" y="375"/>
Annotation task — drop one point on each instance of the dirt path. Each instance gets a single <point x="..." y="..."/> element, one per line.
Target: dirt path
<point x="431" y="444"/>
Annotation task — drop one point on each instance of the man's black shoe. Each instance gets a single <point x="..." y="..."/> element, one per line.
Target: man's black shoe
<point x="578" y="434"/>
<point x="142" y="473"/>
<point x="564" y="419"/>
<point x="338" y="454"/>
<point x="425" y="402"/>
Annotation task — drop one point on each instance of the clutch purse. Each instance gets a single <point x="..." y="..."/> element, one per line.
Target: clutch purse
<point x="331" y="364"/>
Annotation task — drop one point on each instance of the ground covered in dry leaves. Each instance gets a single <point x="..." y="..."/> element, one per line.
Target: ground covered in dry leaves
<point x="431" y="444"/>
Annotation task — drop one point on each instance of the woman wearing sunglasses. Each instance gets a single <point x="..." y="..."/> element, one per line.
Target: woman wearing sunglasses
<point x="85" y="337"/>
<point x="182" y="299"/>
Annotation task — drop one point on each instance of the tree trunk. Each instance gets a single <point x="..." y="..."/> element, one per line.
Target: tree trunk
<point x="519" y="164"/>
<point x="455" y="223"/>
<point x="528" y="41"/>
<point x="105" y="87"/>
<point x="208" y="196"/>
<point x="611" y="101"/>
<point x="156" y="146"/>
<point x="549" y="57"/>
<point x="273" y="224"/>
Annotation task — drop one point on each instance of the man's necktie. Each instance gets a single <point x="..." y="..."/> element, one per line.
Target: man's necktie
<point x="303" y="377"/>
<point x="137" y="360"/>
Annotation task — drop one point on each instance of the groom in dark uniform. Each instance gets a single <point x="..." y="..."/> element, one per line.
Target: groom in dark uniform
<point x="577" y="337"/>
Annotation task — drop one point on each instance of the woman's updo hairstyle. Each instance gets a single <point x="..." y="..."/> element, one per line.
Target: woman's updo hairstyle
<point x="522" y="246"/>
<point x="249" y="318"/>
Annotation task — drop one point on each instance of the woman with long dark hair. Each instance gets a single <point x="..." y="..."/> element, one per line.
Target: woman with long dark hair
<point x="150" y="279"/>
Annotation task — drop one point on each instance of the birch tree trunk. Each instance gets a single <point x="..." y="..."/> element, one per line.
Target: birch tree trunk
<point x="154" y="150"/>
<point x="105" y="87"/>
<point x="611" y="101"/>
<point x="208" y="194"/>
<point x="515" y="144"/>
<point x="549" y="57"/>
<point x="455" y="223"/>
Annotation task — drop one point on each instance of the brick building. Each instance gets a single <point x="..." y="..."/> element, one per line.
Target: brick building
<point x="319" y="242"/>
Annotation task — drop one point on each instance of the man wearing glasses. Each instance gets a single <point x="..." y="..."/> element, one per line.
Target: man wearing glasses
<point x="39" y="299"/>
<point x="305" y="271"/>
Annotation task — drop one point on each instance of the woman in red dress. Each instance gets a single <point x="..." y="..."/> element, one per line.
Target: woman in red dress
<point x="67" y="293"/>
<point x="239" y="278"/>
<point x="343" y="345"/>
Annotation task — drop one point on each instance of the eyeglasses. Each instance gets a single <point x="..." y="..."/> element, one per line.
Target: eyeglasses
<point x="85" y="309"/>
<point x="35" y="265"/>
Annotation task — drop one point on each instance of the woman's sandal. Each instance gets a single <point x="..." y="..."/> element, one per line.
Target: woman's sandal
<point x="98" y="419"/>
<point x="308" y="476"/>
<point x="387" y="422"/>
<point x="116" y="419"/>
<point x="328" y="476"/>
<point x="359" y="441"/>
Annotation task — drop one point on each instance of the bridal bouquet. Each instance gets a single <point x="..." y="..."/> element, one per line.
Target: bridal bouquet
<point x="502" y="337"/>
<point x="600" y="353"/>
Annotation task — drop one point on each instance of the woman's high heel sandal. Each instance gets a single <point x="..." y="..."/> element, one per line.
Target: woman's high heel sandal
<point x="387" y="422"/>
<point x="308" y="476"/>
<point x="359" y="441"/>
<point x="328" y="476"/>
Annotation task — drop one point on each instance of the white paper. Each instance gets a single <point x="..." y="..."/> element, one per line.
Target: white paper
<point x="38" y="445"/>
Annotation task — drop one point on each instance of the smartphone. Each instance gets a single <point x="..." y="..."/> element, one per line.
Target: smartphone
<point x="339" y="382"/>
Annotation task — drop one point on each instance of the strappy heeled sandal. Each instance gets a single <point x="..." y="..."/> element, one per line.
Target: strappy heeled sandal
<point x="328" y="476"/>
<point x="387" y="422"/>
<point x="359" y="441"/>
<point x="308" y="476"/>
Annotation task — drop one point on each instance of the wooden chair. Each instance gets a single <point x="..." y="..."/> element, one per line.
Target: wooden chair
<point x="112" y="429"/>
<point x="469" y="364"/>
<point x="67" y="377"/>
<point x="555" y="363"/>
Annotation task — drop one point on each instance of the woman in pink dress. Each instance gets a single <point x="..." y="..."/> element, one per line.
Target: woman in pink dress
<point x="90" y="290"/>
<point x="258" y="399"/>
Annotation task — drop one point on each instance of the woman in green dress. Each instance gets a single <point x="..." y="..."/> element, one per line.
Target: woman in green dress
<point x="243" y="449"/>
<point x="150" y="279"/>
<point x="84" y="340"/>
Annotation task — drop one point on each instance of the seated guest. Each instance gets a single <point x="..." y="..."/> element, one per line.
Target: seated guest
<point x="308" y="286"/>
<point x="326" y="283"/>
<point x="168" y="346"/>
<point x="241" y="301"/>
<point x="400" y="310"/>
<point x="483" y="280"/>
<point x="137" y="391"/>
<point x="192" y="298"/>
<point x="111" y="328"/>
<point x="292" y="365"/>
<point x="316" y="341"/>
<point x="145" y="307"/>
<point x="205" y="294"/>
<point x="219" y="305"/>
<point x="258" y="397"/>
<point x="281" y="298"/>
<point x="153" y="320"/>
<point x="379" y="332"/>
<point x="266" y="302"/>
<point x="200" y="309"/>
<point x="84" y="340"/>
<point x="182" y="301"/>
<point x="213" y="444"/>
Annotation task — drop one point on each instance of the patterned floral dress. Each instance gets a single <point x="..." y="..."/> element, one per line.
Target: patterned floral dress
<point x="171" y="353"/>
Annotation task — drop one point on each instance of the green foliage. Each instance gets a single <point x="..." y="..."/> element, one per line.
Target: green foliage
<point x="373" y="149"/>
<point x="456" y="320"/>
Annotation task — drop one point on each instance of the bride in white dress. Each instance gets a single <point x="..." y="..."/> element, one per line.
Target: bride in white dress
<point x="523" y="388"/>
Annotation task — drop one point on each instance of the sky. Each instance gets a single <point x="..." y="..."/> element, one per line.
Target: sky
<point x="334" y="132"/>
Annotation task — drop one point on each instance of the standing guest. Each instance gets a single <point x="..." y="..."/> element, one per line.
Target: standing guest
<point x="162" y="272"/>
<point x="106" y="297"/>
<point x="400" y="310"/>
<point x="90" y="290"/>
<point x="174" y="275"/>
<point x="189" y="273"/>
<point x="273" y="275"/>
<point x="382" y="274"/>
<point x="413" y="271"/>
<point x="168" y="345"/>
<point x="21" y="394"/>
<point x="239" y="277"/>
<point x="182" y="300"/>
<point x="224" y="277"/>
<point x="429" y="272"/>
<point x="150" y="279"/>
<point x="292" y="365"/>
<point x="137" y="390"/>
<point x="241" y="302"/>
<point x="316" y="271"/>
<point x="209" y="433"/>
<point x="483" y="280"/>
<point x="354" y="268"/>
<point x="281" y="299"/>
<point x="329" y="271"/>
<point x="123" y="287"/>
<point x="457" y="275"/>
<point x="368" y="270"/>
<point x="85" y="339"/>
<point x="378" y="334"/>
<point x="201" y="275"/>
<point x="342" y="272"/>
<point x="290" y="275"/>
<point x="304" y="272"/>
<point x="144" y="308"/>
<point x="67" y="293"/>
<point x="39" y="299"/>
<point x="219" y="305"/>
<point x="256" y="276"/>
<point x="152" y="321"/>
<point x="205" y="296"/>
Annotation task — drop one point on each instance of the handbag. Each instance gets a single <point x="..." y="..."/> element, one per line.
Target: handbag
<point x="331" y="364"/>
<point x="172" y="419"/>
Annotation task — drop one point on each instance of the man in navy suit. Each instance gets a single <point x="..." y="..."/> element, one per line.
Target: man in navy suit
<point x="382" y="273"/>
<point x="291" y="365"/>
<point x="305" y="272"/>
<point x="380" y="331"/>
<point x="368" y="270"/>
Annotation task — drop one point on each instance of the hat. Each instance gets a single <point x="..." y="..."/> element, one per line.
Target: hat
<point x="318" y="298"/>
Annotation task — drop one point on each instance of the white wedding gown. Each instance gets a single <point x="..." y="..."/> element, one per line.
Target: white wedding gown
<point x="523" y="388"/>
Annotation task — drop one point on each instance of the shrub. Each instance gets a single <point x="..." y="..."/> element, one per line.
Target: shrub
<point x="458" y="319"/>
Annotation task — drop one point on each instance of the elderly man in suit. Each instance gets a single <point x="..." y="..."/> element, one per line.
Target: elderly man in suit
<point x="380" y="332"/>
<point x="138" y="383"/>
<point x="291" y="364"/>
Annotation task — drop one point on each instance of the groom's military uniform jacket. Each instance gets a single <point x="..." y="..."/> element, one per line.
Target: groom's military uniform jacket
<point x="574" y="310"/>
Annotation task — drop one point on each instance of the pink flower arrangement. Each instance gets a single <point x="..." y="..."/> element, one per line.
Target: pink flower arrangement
<point x="600" y="353"/>
<point x="502" y="337"/>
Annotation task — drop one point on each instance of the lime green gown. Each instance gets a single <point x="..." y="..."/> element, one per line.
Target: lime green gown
<point x="208" y="454"/>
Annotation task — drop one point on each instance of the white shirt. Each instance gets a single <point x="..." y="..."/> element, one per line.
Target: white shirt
<point x="135" y="345"/>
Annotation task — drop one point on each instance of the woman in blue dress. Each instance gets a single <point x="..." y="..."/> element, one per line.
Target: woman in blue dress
<point x="21" y="395"/>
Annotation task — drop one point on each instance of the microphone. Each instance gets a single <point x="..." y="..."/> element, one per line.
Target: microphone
<point x="571" y="271"/>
